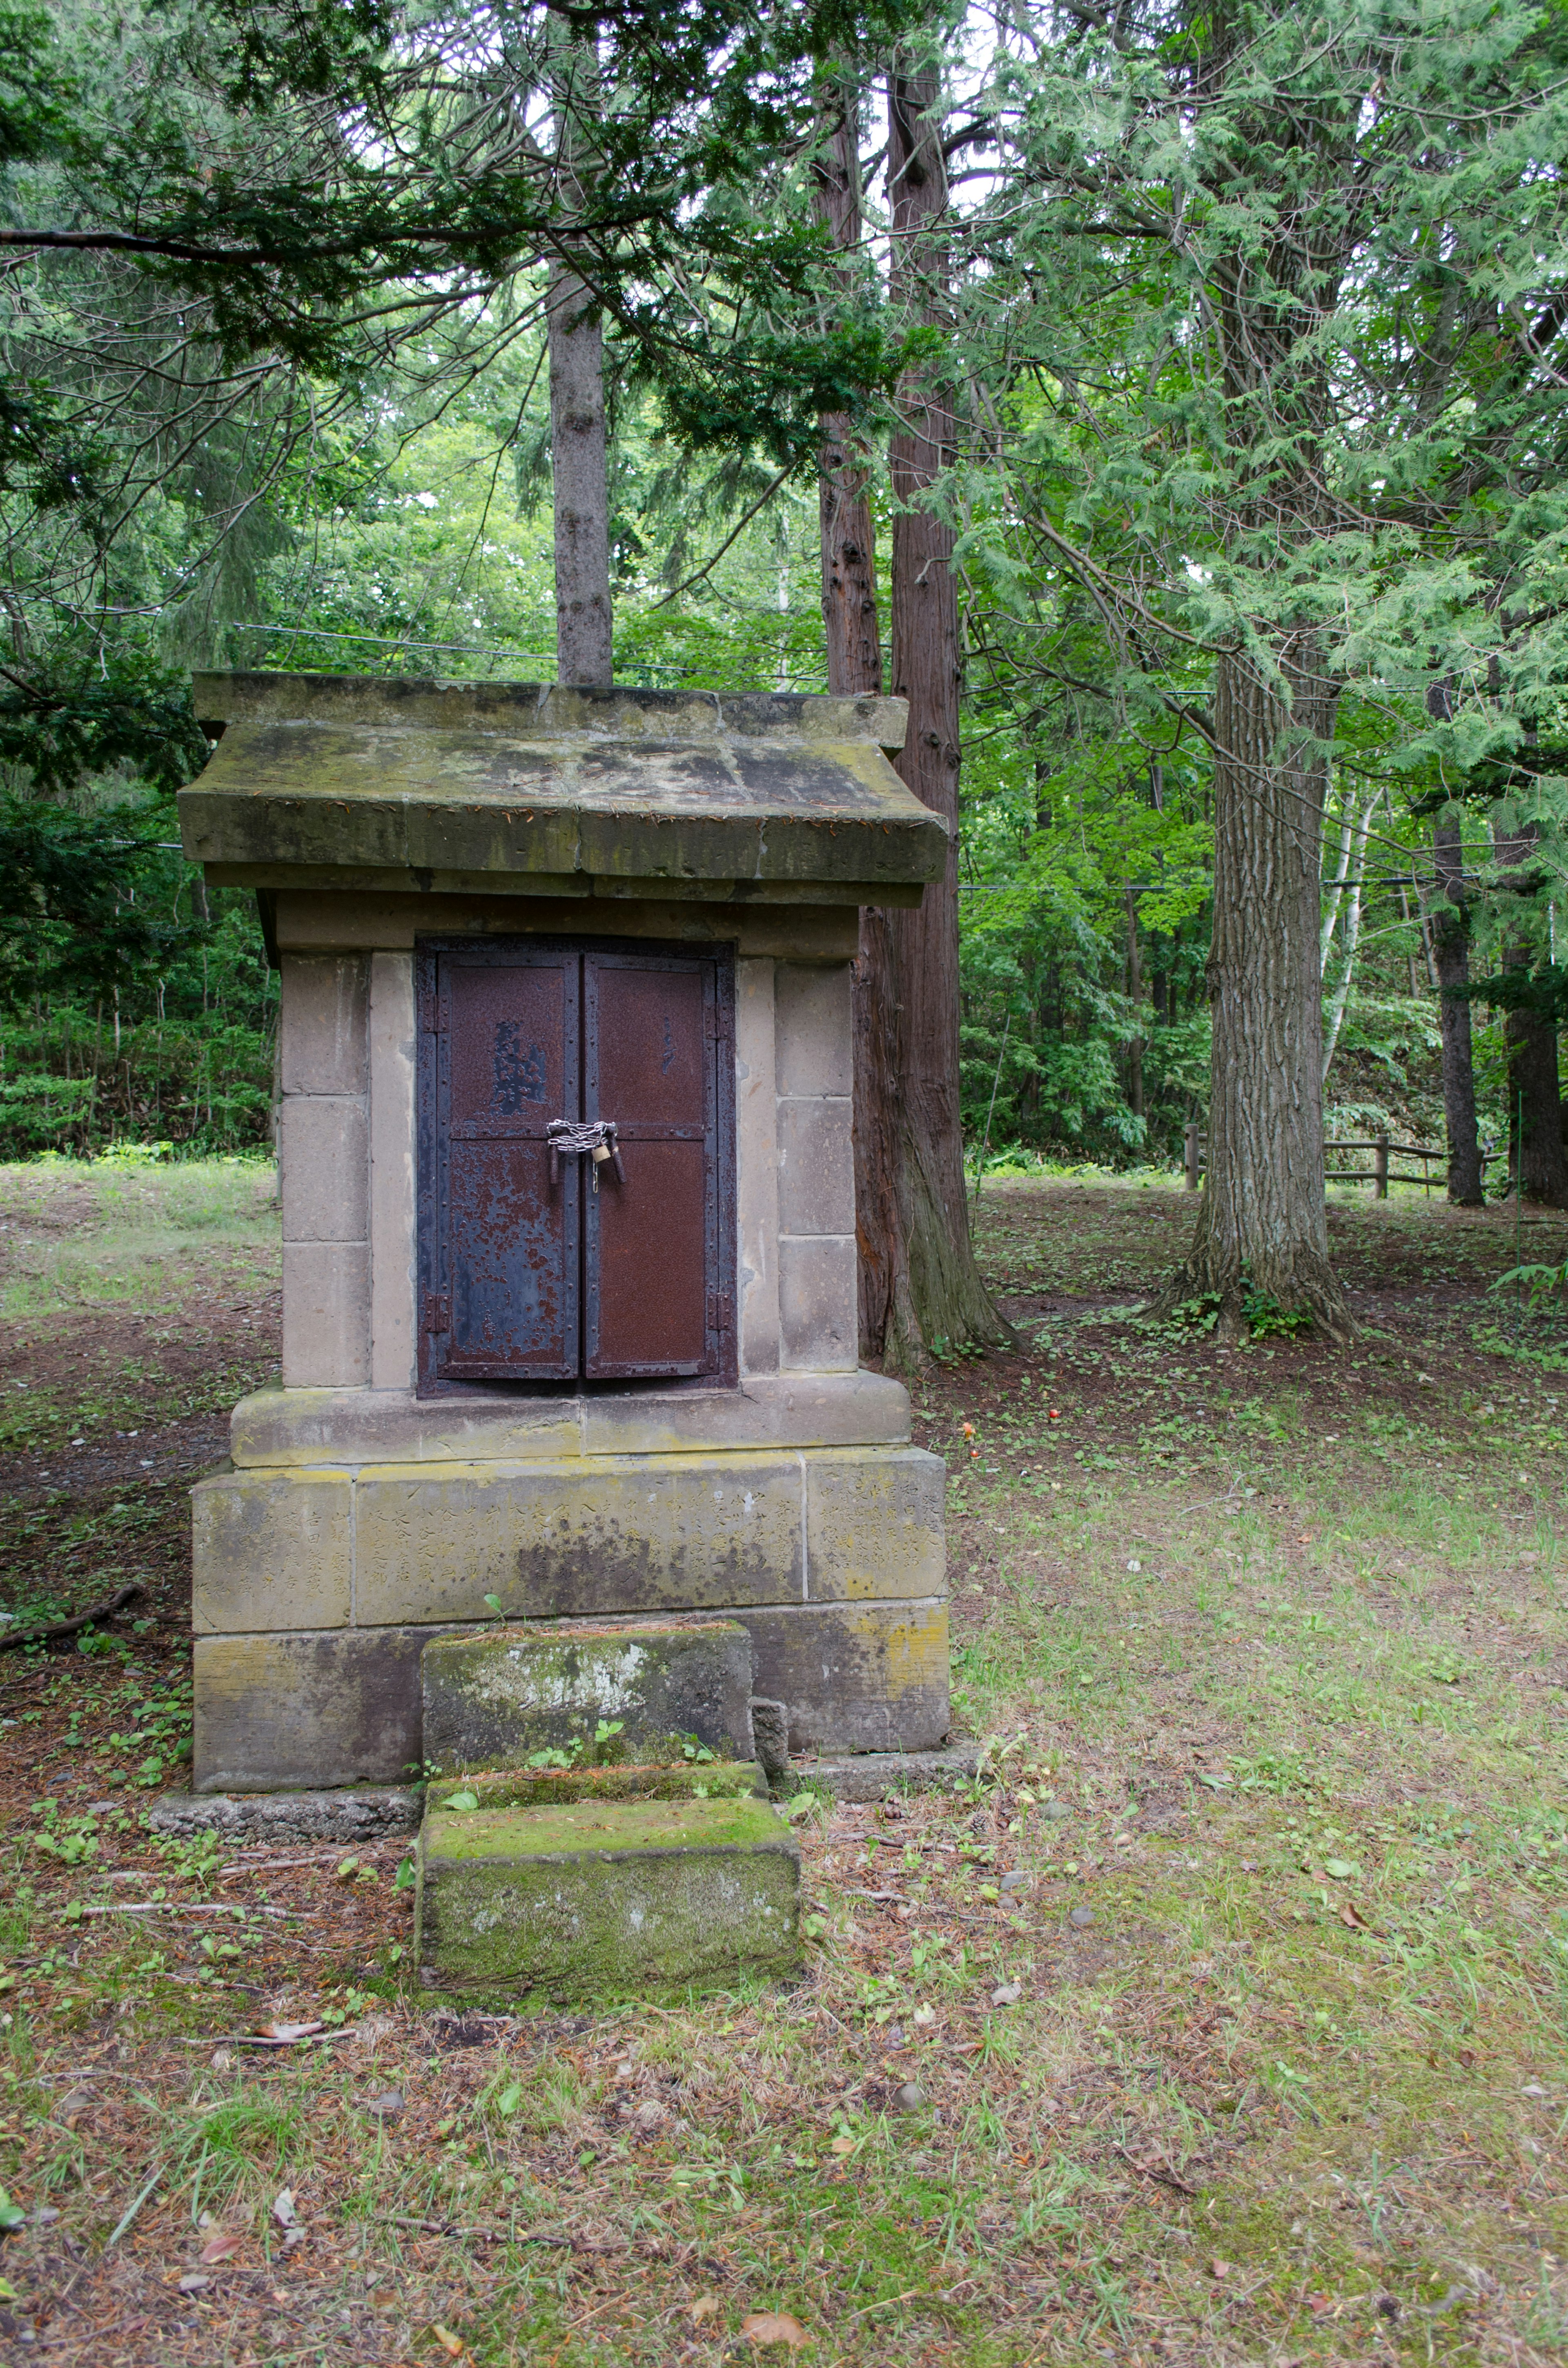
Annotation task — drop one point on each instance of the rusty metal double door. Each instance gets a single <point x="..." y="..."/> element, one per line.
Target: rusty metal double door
<point x="576" y="1162"/>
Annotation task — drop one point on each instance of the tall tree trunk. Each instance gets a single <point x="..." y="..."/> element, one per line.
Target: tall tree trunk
<point x="1352" y="937"/>
<point x="1450" y="952"/>
<point x="583" y="641"/>
<point x="848" y="553"/>
<point x="1134" y="997"/>
<point x="854" y="667"/>
<point x="919" y="1283"/>
<point x="1535" y="1105"/>
<point x="1263" y="1220"/>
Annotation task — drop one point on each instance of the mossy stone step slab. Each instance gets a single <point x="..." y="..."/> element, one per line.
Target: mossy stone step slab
<point x="602" y="1900"/>
<point x="494" y="1699"/>
<point x="548" y="1788"/>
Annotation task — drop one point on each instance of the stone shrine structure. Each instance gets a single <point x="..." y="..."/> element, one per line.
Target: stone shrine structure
<point x="569" y="1261"/>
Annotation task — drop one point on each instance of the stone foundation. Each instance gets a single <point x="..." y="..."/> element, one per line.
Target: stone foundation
<point x="321" y="1571"/>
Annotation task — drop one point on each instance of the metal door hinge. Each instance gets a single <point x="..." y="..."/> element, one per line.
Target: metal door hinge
<point x="719" y="1310"/>
<point x="438" y="1312"/>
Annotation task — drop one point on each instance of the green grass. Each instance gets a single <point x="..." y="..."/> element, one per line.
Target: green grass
<point x="1271" y="1651"/>
<point x="92" y="1233"/>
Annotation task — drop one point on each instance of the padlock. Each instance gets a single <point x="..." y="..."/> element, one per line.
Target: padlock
<point x="601" y="1152"/>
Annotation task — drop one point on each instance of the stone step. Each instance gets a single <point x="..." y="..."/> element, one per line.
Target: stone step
<point x="497" y="1698"/>
<point x="548" y="1788"/>
<point x="602" y="1900"/>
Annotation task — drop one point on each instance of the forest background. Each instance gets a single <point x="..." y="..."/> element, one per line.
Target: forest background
<point x="309" y="487"/>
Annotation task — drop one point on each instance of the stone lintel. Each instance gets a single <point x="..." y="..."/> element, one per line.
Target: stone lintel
<point x="368" y="917"/>
<point x="729" y="908"/>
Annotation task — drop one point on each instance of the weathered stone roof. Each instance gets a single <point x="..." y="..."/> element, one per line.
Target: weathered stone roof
<point x="348" y="781"/>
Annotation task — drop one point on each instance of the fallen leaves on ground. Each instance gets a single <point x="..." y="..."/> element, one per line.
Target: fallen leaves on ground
<point x="765" y="2327"/>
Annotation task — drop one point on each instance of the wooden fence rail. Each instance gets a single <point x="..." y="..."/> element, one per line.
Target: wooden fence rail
<point x="1380" y="1174"/>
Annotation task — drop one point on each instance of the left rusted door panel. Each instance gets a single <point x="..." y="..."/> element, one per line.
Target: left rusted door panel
<point x="499" y="1238"/>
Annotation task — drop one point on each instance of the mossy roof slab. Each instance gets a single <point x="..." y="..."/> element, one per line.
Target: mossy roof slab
<point x="605" y="1830"/>
<point x="342" y="780"/>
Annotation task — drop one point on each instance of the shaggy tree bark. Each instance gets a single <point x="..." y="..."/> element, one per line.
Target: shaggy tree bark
<point x="1535" y="1105"/>
<point x="1263" y="1223"/>
<point x="584" y="635"/>
<point x="1450" y="954"/>
<point x="920" y="1288"/>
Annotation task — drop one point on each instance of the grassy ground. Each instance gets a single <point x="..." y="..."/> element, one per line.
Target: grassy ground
<point x="1223" y="2022"/>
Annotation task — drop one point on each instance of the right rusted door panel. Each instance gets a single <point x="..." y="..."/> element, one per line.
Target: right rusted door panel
<point x="649" y="1029"/>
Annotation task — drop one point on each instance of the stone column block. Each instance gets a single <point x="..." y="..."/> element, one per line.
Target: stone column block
<point x="271" y="1550"/>
<point x="391" y="1217"/>
<point x="819" y="1323"/>
<point x="327" y="1315"/>
<point x="323" y="1162"/>
<point x="814" y="1029"/>
<point x="816" y="1167"/>
<point x="322" y="1018"/>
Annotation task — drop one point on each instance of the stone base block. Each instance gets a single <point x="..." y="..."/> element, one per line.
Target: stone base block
<point x="495" y="1699"/>
<point x="303" y="1546"/>
<point x="602" y="1901"/>
<point x="343" y="1707"/>
<point x="878" y="1775"/>
<point x="346" y="1428"/>
<point x="339" y="1706"/>
<point x="316" y="1585"/>
<point x="360" y="1814"/>
<point x="855" y="1676"/>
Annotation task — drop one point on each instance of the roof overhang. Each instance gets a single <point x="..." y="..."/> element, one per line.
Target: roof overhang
<point x="343" y="782"/>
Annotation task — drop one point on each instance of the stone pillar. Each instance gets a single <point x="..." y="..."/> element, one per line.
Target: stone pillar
<point x="813" y="1056"/>
<point x="324" y="1165"/>
<point x="393" y="1151"/>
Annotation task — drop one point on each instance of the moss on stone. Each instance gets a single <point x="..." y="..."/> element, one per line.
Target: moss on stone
<point x="496" y="1699"/>
<point x="606" y="1899"/>
<point x="541" y="1788"/>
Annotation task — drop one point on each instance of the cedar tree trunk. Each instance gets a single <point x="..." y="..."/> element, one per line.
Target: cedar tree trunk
<point x="1263" y="1223"/>
<point x="583" y="646"/>
<point x="1535" y="1108"/>
<point x="848" y="551"/>
<point x="920" y="1288"/>
<point x="1450" y="952"/>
